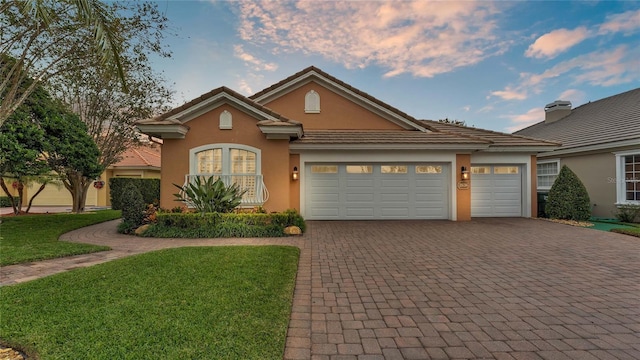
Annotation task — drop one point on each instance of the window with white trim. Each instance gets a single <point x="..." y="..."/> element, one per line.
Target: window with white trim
<point x="547" y="172"/>
<point x="234" y="163"/>
<point x="628" y="177"/>
<point x="312" y="102"/>
<point x="226" y="120"/>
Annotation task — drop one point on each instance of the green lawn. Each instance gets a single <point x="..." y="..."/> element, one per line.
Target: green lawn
<point x="187" y="303"/>
<point x="35" y="237"/>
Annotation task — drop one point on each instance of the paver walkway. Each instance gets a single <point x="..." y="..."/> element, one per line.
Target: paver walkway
<point x="489" y="288"/>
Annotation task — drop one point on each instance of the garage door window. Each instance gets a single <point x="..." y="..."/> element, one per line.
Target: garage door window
<point x="359" y="169"/>
<point x="481" y="170"/>
<point x="504" y="170"/>
<point x="393" y="169"/>
<point x="428" y="169"/>
<point x="324" y="169"/>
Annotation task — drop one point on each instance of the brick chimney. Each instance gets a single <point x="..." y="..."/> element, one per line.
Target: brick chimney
<point x="556" y="110"/>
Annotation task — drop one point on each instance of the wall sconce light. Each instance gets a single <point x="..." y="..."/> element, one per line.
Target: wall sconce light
<point x="295" y="174"/>
<point x="464" y="173"/>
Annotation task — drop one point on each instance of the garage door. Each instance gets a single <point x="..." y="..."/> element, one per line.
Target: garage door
<point x="496" y="190"/>
<point x="376" y="191"/>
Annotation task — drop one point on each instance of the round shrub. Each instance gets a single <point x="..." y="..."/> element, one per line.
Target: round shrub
<point x="568" y="198"/>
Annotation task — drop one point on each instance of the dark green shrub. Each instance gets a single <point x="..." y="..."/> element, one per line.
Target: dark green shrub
<point x="628" y="213"/>
<point x="211" y="225"/>
<point x="133" y="208"/>
<point x="4" y="201"/>
<point x="568" y="198"/>
<point x="210" y="195"/>
<point x="149" y="189"/>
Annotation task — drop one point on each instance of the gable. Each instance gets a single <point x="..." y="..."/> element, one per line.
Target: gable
<point x="336" y="111"/>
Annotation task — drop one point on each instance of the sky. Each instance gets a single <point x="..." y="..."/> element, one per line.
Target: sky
<point x="494" y="65"/>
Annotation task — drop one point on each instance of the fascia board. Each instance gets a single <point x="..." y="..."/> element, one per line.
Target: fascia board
<point x="173" y="131"/>
<point x="213" y="102"/>
<point x="373" y="146"/>
<point x="597" y="147"/>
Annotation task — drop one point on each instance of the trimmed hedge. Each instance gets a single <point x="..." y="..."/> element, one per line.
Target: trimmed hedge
<point x="212" y="225"/>
<point x="149" y="189"/>
<point x="568" y="198"/>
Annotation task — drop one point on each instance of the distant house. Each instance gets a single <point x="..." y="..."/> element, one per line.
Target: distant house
<point x="600" y="143"/>
<point x="317" y="144"/>
<point x="139" y="162"/>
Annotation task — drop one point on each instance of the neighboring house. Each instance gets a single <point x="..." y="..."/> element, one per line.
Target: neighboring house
<point x="316" y="144"/>
<point x="139" y="162"/>
<point x="600" y="143"/>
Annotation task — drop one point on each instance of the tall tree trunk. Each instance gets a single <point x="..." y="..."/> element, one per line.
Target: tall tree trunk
<point x="34" y="196"/>
<point x="16" y="207"/>
<point x="78" y="186"/>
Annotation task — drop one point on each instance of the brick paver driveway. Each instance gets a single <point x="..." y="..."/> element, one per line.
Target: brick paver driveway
<point x="490" y="288"/>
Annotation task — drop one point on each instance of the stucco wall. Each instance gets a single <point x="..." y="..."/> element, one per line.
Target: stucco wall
<point x="597" y="172"/>
<point x="336" y="112"/>
<point x="203" y="131"/>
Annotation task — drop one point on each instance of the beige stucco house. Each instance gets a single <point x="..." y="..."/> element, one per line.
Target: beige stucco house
<point x="138" y="162"/>
<point x="314" y="143"/>
<point x="600" y="143"/>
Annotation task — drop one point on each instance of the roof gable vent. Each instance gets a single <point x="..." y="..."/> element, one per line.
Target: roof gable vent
<point x="556" y="110"/>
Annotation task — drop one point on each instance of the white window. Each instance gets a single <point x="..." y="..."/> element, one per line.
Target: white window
<point x="481" y="170"/>
<point x="393" y="169"/>
<point x="324" y="169"/>
<point x="547" y="173"/>
<point x="428" y="169"/>
<point x="312" y="102"/>
<point x="359" y="169"/>
<point x="628" y="177"/>
<point x="503" y="170"/>
<point x="226" y="120"/>
<point x="234" y="164"/>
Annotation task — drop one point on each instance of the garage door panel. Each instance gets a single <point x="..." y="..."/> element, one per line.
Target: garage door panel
<point x="498" y="195"/>
<point x="377" y="195"/>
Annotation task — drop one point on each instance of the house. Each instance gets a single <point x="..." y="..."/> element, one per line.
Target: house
<point x="141" y="162"/>
<point x="314" y="143"/>
<point x="600" y="143"/>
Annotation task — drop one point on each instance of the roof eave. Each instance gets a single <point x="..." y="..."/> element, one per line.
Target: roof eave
<point x="164" y="131"/>
<point x="378" y="146"/>
<point x="278" y="132"/>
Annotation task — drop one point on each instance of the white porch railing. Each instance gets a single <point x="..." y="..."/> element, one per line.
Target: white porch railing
<point x="256" y="195"/>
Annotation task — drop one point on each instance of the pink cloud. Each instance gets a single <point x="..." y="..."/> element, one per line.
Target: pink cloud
<point x="510" y="94"/>
<point x="627" y="22"/>
<point x="521" y="121"/>
<point x="551" y="44"/>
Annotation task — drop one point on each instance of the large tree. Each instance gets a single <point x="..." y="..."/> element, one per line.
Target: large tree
<point x="22" y="142"/>
<point x="105" y="108"/>
<point x="43" y="34"/>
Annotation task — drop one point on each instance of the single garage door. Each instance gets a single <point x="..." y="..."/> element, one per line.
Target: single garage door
<point x="376" y="191"/>
<point x="496" y="191"/>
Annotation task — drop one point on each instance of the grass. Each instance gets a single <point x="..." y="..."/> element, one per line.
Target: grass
<point x="634" y="231"/>
<point x="28" y="238"/>
<point x="186" y="303"/>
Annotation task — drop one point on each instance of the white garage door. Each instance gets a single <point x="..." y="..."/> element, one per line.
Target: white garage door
<point x="496" y="190"/>
<point x="376" y="191"/>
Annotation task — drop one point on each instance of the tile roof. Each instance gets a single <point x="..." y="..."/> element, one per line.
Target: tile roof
<point x="612" y="119"/>
<point x="140" y="157"/>
<point x="339" y="82"/>
<point x="165" y="118"/>
<point x="384" y="137"/>
<point x="497" y="139"/>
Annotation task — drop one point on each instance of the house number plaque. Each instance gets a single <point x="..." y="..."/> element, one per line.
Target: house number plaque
<point x="463" y="185"/>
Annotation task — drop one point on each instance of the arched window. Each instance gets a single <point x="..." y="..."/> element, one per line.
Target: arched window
<point x="226" y="120"/>
<point x="312" y="102"/>
<point x="234" y="164"/>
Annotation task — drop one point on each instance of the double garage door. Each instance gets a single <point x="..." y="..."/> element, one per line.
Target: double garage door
<point x="376" y="191"/>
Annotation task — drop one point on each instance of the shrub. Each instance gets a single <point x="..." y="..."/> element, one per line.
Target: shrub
<point x="568" y="198"/>
<point x="4" y="201"/>
<point x="628" y="213"/>
<point x="210" y="195"/>
<point x="149" y="189"/>
<point x="133" y="209"/>
<point x="211" y="225"/>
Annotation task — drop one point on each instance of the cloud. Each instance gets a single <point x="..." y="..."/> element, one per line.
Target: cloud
<point x="574" y="95"/>
<point x="510" y="94"/>
<point x="551" y="44"/>
<point x="627" y="23"/>
<point x="521" y="121"/>
<point x="421" y="38"/>
<point x="255" y="63"/>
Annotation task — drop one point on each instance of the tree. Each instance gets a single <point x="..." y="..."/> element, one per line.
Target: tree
<point x="42" y="35"/>
<point x="103" y="106"/>
<point x="71" y="153"/>
<point x="454" y="122"/>
<point x="22" y="142"/>
<point x="568" y="198"/>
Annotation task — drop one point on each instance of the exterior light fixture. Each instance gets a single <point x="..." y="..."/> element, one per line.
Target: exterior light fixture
<point x="295" y="175"/>
<point x="464" y="173"/>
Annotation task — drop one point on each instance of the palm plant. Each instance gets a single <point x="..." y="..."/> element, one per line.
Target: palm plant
<point x="210" y="195"/>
